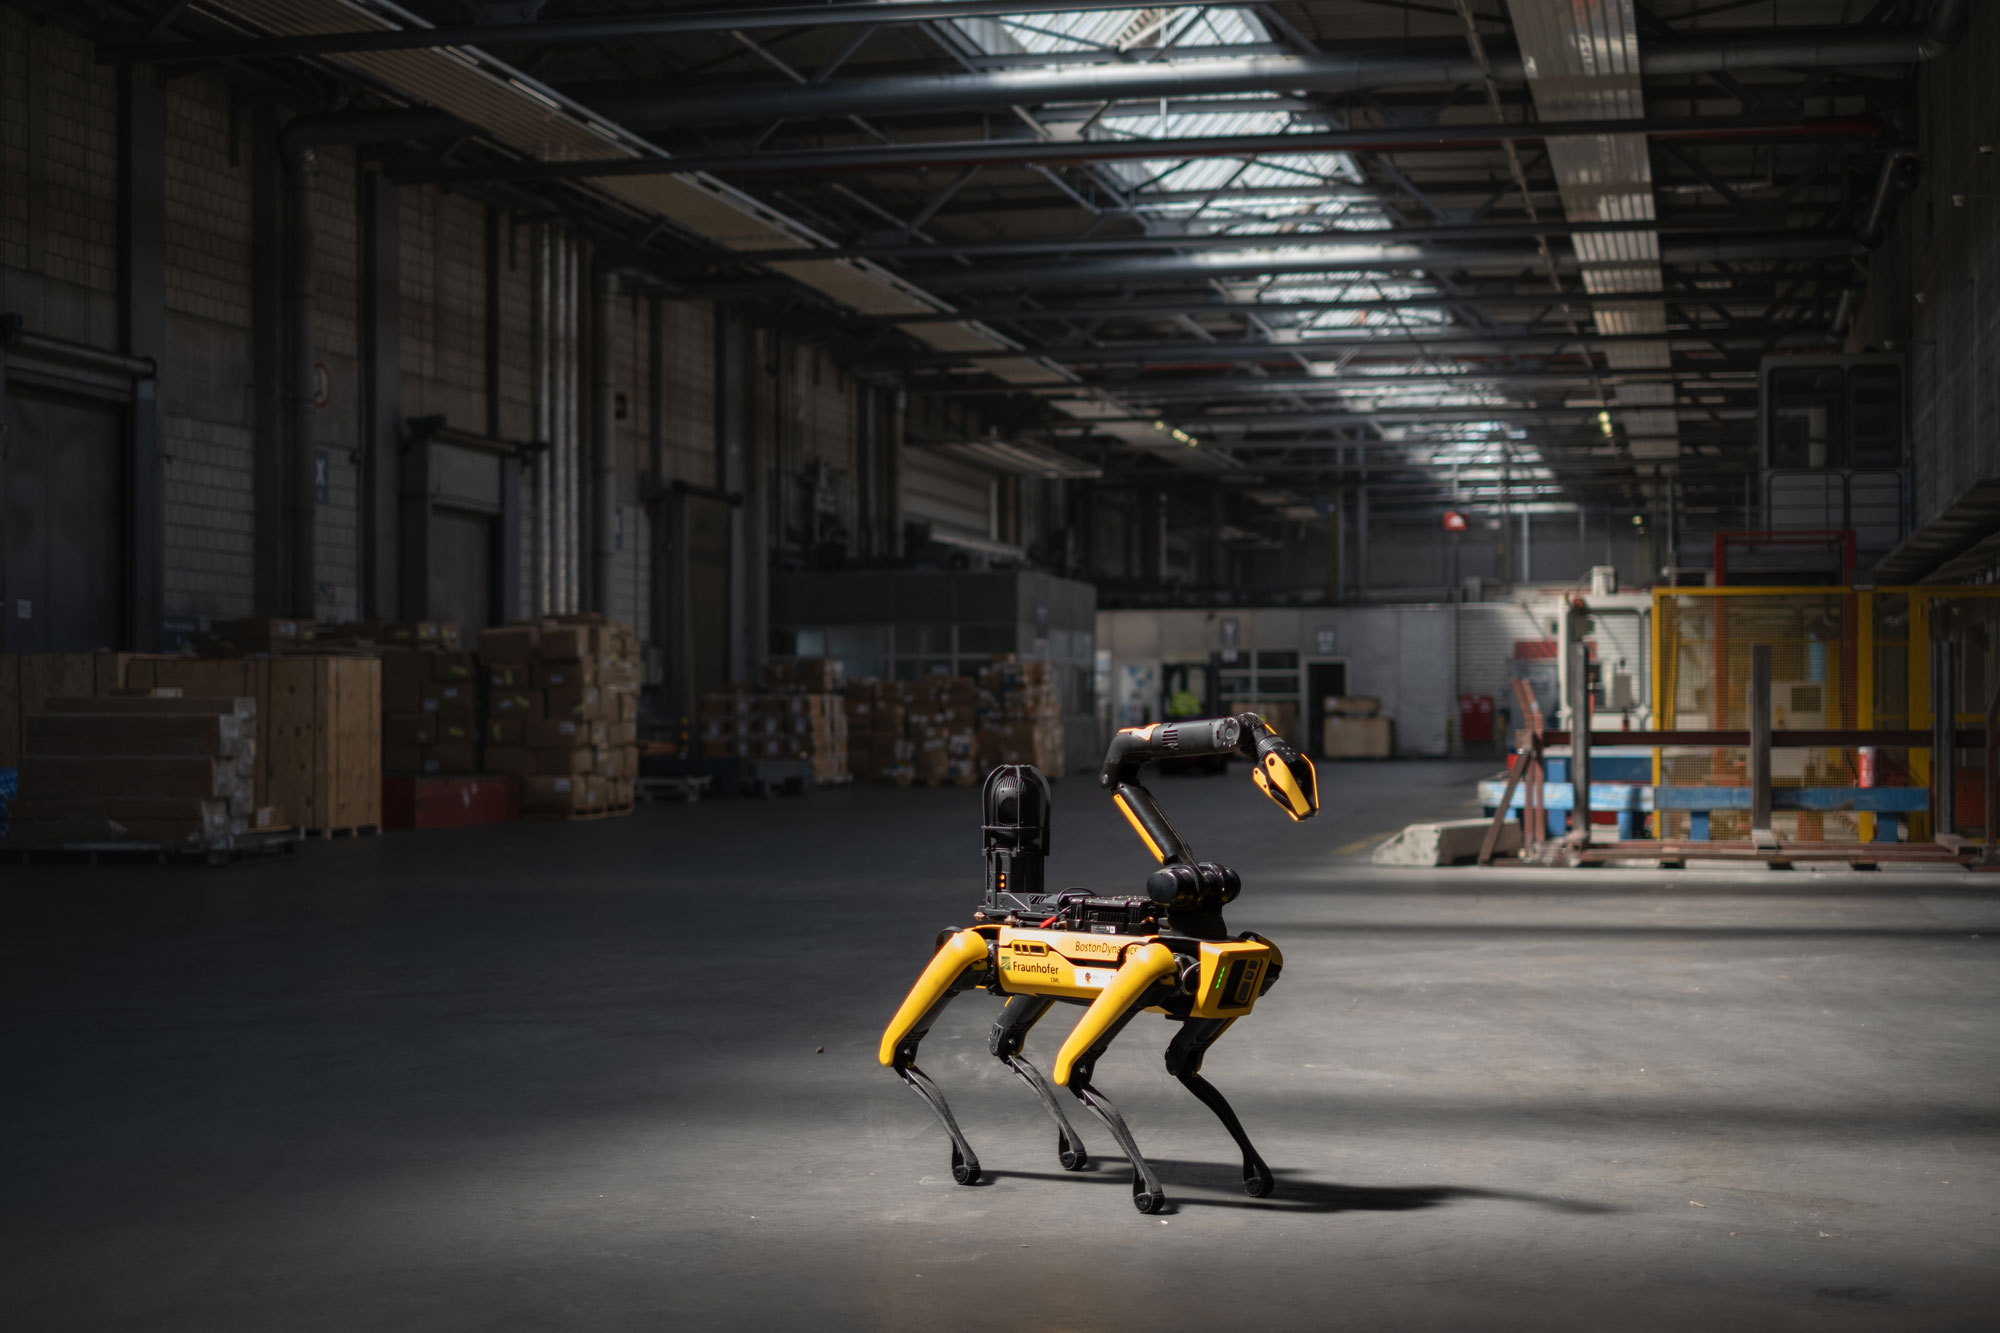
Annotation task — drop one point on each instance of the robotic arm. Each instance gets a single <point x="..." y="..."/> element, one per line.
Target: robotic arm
<point x="1281" y="773"/>
<point x="1192" y="893"/>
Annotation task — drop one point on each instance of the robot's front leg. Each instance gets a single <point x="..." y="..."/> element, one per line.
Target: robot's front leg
<point x="1010" y="1031"/>
<point x="951" y="970"/>
<point x="1184" y="1055"/>
<point x="1116" y="1005"/>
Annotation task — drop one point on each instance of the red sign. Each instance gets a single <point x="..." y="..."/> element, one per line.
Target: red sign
<point x="1454" y="521"/>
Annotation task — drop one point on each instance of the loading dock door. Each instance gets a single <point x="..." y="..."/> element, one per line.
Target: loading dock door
<point x="62" y="479"/>
<point x="708" y="522"/>
<point x="462" y="568"/>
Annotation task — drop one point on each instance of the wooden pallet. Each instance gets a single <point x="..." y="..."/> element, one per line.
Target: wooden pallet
<point x="682" y="789"/>
<point x="258" y="846"/>
<point x="352" y="831"/>
<point x="572" y="816"/>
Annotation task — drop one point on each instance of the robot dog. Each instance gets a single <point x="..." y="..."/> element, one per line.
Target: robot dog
<point x="1166" y="950"/>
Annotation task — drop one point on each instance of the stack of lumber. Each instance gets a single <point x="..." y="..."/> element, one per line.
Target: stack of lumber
<point x="562" y="712"/>
<point x="318" y="724"/>
<point x="153" y="769"/>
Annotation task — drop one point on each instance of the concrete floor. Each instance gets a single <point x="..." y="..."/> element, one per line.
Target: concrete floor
<point x="567" y="1077"/>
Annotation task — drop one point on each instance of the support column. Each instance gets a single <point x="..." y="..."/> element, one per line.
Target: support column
<point x="301" y="167"/>
<point x="142" y="309"/>
<point x="270" y="461"/>
<point x="507" y="541"/>
<point x="603" y="445"/>
<point x="381" y="392"/>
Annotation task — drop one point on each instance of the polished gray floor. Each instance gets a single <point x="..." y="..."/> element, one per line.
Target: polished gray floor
<point x="572" y="1077"/>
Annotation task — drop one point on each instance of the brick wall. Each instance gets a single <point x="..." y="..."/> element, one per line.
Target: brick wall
<point x="59" y="265"/>
<point x="206" y="387"/>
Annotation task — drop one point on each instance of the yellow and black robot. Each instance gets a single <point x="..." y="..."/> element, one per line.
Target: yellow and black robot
<point x="1166" y="950"/>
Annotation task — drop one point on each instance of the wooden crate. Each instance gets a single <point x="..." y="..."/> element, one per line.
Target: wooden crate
<point x="29" y="680"/>
<point x="319" y="728"/>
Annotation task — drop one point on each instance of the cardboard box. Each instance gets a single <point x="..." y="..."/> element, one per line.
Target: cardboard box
<point x="511" y="677"/>
<point x="453" y="666"/>
<point x="567" y="643"/>
<point x="505" y="731"/>
<point x="556" y="733"/>
<point x="552" y="794"/>
<point x="509" y="645"/>
<point x="458" y="727"/>
<point x="445" y="696"/>
<point x="566" y="760"/>
<point x="405" y="677"/>
<point x="1354" y="705"/>
<point x="453" y="757"/>
<point x="1359" y="738"/>
<point x="562" y="675"/>
<point x="520" y="705"/>
<point x="405" y="729"/>
<point x="582" y="702"/>
<point x="402" y="759"/>
<point x="515" y="759"/>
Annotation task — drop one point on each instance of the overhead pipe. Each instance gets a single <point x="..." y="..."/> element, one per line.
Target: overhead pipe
<point x="1510" y="342"/>
<point x="1214" y="241"/>
<point x="561" y="32"/>
<point x="1036" y="152"/>
<point x="1447" y="65"/>
<point x="1305" y="259"/>
<point x="1901" y="169"/>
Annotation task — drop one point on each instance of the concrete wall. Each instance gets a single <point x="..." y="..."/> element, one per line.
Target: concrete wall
<point x="1934" y="286"/>
<point x="59" y="266"/>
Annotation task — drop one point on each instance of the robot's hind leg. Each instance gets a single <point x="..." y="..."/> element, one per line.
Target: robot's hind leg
<point x="1184" y="1055"/>
<point x="1010" y="1032"/>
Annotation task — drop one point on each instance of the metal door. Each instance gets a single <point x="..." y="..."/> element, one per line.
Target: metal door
<point x="62" y="478"/>
<point x="462" y="568"/>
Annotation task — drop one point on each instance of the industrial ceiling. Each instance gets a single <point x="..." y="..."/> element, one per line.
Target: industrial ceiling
<point x="1488" y="254"/>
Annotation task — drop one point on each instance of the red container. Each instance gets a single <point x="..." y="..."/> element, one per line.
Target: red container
<point x="1475" y="717"/>
<point x="450" y="800"/>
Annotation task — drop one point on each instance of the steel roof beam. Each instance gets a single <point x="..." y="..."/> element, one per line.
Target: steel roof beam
<point x="1445" y="64"/>
<point x="1510" y="342"/>
<point x="1036" y="152"/>
<point x="574" y="31"/>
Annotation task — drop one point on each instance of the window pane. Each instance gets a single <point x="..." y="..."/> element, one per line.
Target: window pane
<point x="1286" y="660"/>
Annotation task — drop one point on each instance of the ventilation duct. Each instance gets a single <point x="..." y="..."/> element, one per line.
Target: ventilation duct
<point x="1582" y="63"/>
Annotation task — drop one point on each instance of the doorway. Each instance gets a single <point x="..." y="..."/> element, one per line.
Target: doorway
<point x="63" y="495"/>
<point x="462" y="569"/>
<point x="1324" y="681"/>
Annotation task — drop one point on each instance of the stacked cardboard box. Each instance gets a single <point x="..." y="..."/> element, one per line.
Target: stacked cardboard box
<point x="1352" y="729"/>
<point x="1020" y="715"/>
<point x="430" y="709"/>
<point x="241" y="638"/>
<point x="562" y="712"/>
<point x="785" y="720"/>
<point x="878" y="746"/>
<point x="363" y="634"/>
<point x="942" y="720"/>
<point x="154" y="769"/>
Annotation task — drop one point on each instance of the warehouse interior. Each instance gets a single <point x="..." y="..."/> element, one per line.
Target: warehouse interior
<point x="573" y="571"/>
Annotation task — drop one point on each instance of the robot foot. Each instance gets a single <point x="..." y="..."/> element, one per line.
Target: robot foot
<point x="1147" y="1196"/>
<point x="964" y="1162"/>
<point x="1257" y="1179"/>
